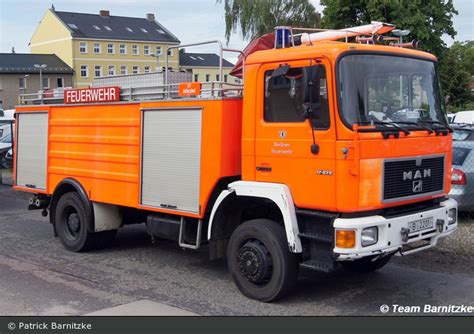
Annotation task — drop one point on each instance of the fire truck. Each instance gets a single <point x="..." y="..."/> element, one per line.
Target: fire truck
<point x="334" y="153"/>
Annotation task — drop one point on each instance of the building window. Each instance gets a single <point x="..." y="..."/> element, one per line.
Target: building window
<point x="60" y="82"/>
<point x="123" y="49"/>
<point x="218" y="77"/>
<point x="146" y="69"/>
<point x="170" y="53"/>
<point x="110" y="48"/>
<point x="146" y="50"/>
<point x="196" y="77"/>
<point x="225" y="77"/>
<point x="129" y="29"/>
<point x="158" y="50"/>
<point x="83" y="47"/>
<point x="97" y="71"/>
<point x="84" y="71"/>
<point x="96" y="48"/>
<point x="208" y="77"/>
<point x="123" y="69"/>
<point x="111" y="70"/>
<point x="46" y="83"/>
<point x="135" y="69"/>
<point x="135" y="50"/>
<point x="22" y="83"/>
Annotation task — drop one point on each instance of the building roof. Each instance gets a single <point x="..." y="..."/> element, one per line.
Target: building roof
<point x="202" y="60"/>
<point x="116" y="27"/>
<point x="24" y="63"/>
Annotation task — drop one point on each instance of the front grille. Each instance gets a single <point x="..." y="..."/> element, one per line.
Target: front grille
<point x="404" y="178"/>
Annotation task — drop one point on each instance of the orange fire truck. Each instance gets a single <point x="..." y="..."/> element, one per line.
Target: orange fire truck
<point x="334" y="154"/>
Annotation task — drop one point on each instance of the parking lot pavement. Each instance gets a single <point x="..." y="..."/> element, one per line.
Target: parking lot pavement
<point x="39" y="277"/>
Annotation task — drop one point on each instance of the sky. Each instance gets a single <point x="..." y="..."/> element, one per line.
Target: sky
<point x="190" y="20"/>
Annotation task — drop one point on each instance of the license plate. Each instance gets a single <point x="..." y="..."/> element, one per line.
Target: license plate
<point x="422" y="224"/>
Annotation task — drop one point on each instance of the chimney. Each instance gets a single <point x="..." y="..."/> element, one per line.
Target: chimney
<point x="150" y="17"/>
<point x="104" y="13"/>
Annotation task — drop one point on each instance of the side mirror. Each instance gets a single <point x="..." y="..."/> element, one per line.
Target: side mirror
<point x="311" y="91"/>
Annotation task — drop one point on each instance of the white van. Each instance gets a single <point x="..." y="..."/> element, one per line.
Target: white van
<point x="7" y="115"/>
<point x="466" y="117"/>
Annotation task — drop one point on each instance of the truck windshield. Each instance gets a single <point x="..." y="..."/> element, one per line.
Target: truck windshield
<point x="385" y="88"/>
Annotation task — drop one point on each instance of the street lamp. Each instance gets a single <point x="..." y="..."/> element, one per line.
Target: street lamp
<point x="400" y="33"/>
<point x="41" y="68"/>
<point x="157" y="56"/>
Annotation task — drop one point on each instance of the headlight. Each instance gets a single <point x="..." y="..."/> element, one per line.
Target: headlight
<point x="452" y="216"/>
<point x="369" y="236"/>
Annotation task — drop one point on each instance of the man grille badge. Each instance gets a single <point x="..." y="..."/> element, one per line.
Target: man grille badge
<point x="417" y="186"/>
<point x="282" y="134"/>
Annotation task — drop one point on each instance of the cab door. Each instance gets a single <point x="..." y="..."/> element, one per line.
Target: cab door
<point x="285" y="151"/>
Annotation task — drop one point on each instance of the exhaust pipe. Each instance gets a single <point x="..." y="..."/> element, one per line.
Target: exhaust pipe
<point x="37" y="203"/>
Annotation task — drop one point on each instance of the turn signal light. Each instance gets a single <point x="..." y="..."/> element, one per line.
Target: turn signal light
<point x="345" y="238"/>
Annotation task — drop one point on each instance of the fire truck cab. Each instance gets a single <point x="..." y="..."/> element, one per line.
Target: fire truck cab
<point x="336" y="155"/>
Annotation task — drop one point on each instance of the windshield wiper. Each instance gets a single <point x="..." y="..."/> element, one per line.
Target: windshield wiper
<point x="427" y="128"/>
<point x="393" y="124"/>
<point x="446" y="127"/>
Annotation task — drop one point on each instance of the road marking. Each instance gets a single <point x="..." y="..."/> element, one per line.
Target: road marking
<point x="143" y="308"/>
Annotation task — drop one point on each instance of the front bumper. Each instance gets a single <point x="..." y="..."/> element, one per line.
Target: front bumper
<point x="390" y="237"/>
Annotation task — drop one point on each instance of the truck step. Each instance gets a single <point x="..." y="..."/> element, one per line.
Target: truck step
<point x="316" y="237"/>
<point x="321" y="266"/>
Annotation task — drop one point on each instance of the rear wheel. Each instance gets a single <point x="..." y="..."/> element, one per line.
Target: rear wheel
<point x="365" y="265"/>
<point x="260" y="262"/>
<point x="72" y="222"/>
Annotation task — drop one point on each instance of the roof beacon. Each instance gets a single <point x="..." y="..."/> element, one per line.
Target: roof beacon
<point x="283" y="37"/>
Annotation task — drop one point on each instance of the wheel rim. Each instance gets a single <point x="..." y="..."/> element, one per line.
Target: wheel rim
<point x="72" y="223"/>
<point x="255" y="262"/>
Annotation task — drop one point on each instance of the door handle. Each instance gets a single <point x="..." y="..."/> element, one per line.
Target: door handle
<point x="264" y="169"/>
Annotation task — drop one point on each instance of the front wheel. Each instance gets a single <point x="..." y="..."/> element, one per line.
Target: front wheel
<point x="260" y="262"/>
<point x="365" y="265"/>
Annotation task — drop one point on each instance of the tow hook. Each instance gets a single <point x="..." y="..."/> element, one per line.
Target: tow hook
<point x="405" y="232"/>
<point x="440" y="225"/>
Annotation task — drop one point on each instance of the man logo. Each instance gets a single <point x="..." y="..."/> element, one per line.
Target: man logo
<point x="417" y="186"/>
<point x="282" y="134"/>
<point x="418" y="174"/>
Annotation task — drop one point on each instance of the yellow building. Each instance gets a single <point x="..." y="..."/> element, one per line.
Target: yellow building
<point x="96" y="45"/>
<point x="205" y="67"/>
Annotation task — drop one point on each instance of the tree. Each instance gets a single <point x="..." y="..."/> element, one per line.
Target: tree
<point x="456" y="70"/>
<point x="255" y="18"/>
<point x="428" y="20"/>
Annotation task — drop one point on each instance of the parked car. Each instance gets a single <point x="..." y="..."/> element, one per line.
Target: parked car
<point x="466" y="117"/>
<point x="462" y="175"/>
<point x="463" y="132"/>
<point x="450" y="117"/>
<point x="8" y="115"/>
<point x="7" y="160"/>
<point x="5" y="146"/>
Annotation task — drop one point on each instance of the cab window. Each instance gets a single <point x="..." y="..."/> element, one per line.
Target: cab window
<point x="284" y="98"/>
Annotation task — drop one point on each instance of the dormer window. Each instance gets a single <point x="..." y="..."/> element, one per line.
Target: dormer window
<point x="144" y="30"/>
<point x="96" y="27"/>
<point x="107" y="28"/>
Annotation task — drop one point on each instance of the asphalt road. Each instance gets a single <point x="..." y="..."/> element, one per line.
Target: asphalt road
<point x="39" y="277"/>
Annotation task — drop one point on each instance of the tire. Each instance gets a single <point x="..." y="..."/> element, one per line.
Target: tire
<point x="260" y="262"/>
<point x="72" y="222"/>
<point x="365" y="265"/>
